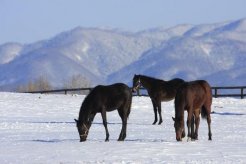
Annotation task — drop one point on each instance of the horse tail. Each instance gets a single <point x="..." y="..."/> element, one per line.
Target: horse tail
<point x="206" y="108"/>
<point x="129" y="105"/>
<point x="204" y="112"/>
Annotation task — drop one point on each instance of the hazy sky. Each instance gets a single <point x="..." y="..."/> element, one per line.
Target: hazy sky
<point x="27" y="21"/>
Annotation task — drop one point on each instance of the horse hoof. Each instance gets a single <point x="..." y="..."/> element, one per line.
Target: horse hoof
<point x="193" y="138"/>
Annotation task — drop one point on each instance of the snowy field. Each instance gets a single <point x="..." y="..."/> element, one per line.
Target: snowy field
<point x="40" y="129"/>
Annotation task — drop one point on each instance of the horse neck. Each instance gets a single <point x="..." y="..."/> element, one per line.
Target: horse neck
<point x="179" y="110"/>
<point x="146" y="81"/>
<point x="180" y="115"/>
<point x="84" y="112"/>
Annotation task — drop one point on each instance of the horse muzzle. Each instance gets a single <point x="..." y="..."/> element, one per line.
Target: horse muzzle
<point x="178" y="137"/>
<point x="82" y="140"/>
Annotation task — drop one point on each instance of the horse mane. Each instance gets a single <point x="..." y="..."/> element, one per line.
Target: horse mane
<point x="159" y="80"/>
<point x="150" y="78"/>
<point x="84" y="109"/>
<point x="179" y="104"/>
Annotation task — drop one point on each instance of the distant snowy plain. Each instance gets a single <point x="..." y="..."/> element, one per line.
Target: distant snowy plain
<point x="39" y="128"/>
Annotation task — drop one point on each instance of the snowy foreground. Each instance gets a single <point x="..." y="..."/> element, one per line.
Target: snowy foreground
<point x="40" y="129"/>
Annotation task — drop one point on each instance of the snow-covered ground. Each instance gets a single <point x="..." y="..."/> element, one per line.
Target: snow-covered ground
<point x="38" y="128"/>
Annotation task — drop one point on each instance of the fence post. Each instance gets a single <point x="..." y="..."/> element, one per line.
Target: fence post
<point x="215" y="92"/>
<point x="242" y="93"/>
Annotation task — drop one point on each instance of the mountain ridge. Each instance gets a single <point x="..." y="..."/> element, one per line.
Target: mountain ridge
<point x="106" y="56"/>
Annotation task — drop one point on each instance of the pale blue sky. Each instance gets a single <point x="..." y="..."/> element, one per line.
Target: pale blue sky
<point x="26" y="21"/>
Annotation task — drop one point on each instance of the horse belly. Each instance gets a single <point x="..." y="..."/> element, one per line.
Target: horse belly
<point x="113" y="106"/>
<point x="167" y="95"/>
<point x="167" y="98"/>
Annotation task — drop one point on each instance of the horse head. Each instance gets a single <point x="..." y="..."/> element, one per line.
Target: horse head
<point x="179" y="129"/>
<point x="83" y="129"/>
<point x="136" y="83"/>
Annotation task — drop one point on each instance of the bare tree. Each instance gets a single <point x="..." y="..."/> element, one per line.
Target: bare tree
<point x="40" y="84"/>
<point x="78" y="81"/>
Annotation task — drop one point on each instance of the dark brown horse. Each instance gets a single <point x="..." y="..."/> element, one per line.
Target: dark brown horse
<point x="158" y="90"/>
<point x="100" y="100"/>
<point x="195" y="97"/>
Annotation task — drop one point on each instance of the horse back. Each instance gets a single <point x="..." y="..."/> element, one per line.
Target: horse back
<point x="111" y="96"/>
<point x="194" y="93"/>
<point x="168" y="89"/>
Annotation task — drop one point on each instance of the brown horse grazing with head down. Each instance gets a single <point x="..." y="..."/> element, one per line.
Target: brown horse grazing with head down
<point x="101" y="100"/>
<point x="158" y="90"/>
<point x="195" y="97"/>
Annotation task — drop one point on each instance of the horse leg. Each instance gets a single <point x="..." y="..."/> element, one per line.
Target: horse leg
<point x="123" y="116"/>
<point x="183" y="133"/>
<point x="105" y="123"/>
<point x="197" y="122"/>
<point x="155" y="110"/>
<point x="189" y="118"/>
<point x="207" y="107"/>
<point x="159" y="112"/>
<point x="209" y="127"/>
<point x="192" y="127"/>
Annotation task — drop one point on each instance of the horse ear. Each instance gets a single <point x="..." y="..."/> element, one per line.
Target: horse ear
<point x="76" y="120"/>
<point x="173" y="118"/>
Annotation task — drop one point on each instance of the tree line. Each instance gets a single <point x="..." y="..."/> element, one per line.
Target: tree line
<point x="42" y="83"/>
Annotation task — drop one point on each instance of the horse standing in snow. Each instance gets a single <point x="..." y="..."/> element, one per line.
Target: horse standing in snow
<point x="100" y="100"/>
<point x="195" y="97"/>
<point x="158" y="90"/>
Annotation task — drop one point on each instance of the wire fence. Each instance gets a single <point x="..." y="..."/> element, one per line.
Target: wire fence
<point x="226" y="91"/>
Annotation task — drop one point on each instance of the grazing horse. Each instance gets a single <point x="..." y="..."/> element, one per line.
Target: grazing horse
<point x="158" y="90"/>
<point x="195" y="97"/>
<point x="101" y="100"/>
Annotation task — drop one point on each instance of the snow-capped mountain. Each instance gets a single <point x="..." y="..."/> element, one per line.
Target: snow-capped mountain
<point x="9" y="51"/>
<point x="215" y="52"/>
<point x="90" y="52"/>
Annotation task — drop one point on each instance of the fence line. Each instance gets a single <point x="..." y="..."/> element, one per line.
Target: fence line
<point x="240" y="88"/>
<point x="215" y="91"/>
<point x="62" y="90"/>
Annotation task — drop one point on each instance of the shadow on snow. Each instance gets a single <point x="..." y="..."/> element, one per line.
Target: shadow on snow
<point x="228" y="113"/>
<point x="98" y="140"/>
<point x="53" y="140"/>
<point x="72" y="122"/>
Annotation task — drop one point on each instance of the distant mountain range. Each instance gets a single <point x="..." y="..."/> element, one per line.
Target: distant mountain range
<point x="215" y="52"/>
